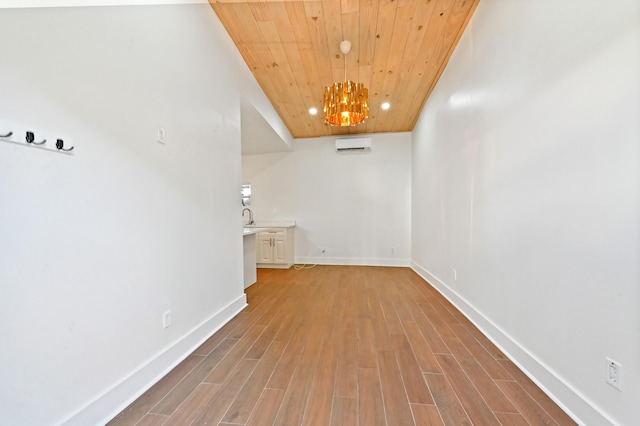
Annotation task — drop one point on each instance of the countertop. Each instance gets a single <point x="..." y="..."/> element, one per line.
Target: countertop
<point x="275" y="224"/>
<point x="251" y="230"/>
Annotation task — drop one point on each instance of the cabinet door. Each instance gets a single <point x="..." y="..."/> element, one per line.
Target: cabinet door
<point x="280" y="250"/>
<point x="265" y="249"/>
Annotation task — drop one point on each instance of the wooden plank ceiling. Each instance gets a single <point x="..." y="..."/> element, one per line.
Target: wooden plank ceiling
<point x="399" y="49"/>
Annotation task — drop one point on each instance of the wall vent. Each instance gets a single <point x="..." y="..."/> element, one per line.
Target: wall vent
<point x="353" y="145"/>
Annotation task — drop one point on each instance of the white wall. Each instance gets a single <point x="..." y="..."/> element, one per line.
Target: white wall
<point x="356" y="207"/>
<point x="94" y="247"/>
<point x="526" y="180"/>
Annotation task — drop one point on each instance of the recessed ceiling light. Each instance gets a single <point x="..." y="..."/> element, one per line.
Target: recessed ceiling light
<point x="313" y="111"/>
<point x="385" y="105"/>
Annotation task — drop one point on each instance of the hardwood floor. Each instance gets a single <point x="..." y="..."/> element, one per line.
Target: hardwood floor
<point x="345" y="345"/>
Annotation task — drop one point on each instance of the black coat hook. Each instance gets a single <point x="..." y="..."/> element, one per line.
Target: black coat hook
<point x="60" y="145"/>
<point x="8" y="135"/>
<point x="30" y="138"/>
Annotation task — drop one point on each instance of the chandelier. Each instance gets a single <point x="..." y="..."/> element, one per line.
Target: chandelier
<point x="345" y="102"/>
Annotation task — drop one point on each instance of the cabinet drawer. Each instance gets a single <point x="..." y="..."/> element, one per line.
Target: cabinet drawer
<point x="274" y="233"/>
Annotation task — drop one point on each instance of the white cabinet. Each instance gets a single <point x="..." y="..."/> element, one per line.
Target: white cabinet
<point x="249" y="259"/>
<point x="274" y="248"/>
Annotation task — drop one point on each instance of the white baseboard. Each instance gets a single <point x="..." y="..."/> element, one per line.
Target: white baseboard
<point x="323" y="260"/>
<point x="122" y="394"/>
<point x="576" y="405"/>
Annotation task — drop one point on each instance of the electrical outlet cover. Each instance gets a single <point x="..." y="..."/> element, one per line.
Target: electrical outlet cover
<point x="614" y="374"/>
<point x="166" y="319"/>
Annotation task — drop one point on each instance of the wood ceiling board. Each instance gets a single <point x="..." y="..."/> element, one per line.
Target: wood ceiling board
<point x="405" y="88"/>
<point x="399" y="50"/>
<point x="260" y="11"/>
<point x="385" y="21"/>
<point x="431" y="82"/>
<point x="332" y="19"/>
<point x="426" y="66"/>
<point x="416" y="36"/>
<point x="368" y="17"/>
<point x="403" y="20"/>
<point x="351" y="30"/>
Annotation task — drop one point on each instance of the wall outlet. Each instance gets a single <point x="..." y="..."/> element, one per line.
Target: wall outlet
<point x="160" y="135"/>
<point x="166" y="319"/>
<point x="614" y="374"/>
<point x="455" y="274"/>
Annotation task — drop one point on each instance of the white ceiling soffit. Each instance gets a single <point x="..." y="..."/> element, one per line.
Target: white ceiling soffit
<point x="258" y="137"/>
<point x="6" y="4"/>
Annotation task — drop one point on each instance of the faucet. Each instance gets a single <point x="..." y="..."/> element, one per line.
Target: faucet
<point x="247" y="209"/>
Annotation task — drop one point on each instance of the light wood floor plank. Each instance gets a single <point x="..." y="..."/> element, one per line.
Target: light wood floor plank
<point x="511" y="419"/>
<point x="390" y="316"/>
<point x="434" y="314"/>
<point x="485" y="385"/>
<point x="532" y="412"/>
<point x="243" y="405"/>
<point x="417" y="391"/>
<point x="295" y="398"/>
<point x="429" y="332"/>
<point x="473" y="403"/>
<point x="182" y="390"/>
<point x="347" y="375"/>
<point x="447" y="401"/>
<point x="152" y="420"/>
<point x="540" y="397"/>
<point x="193" y="404"/>
<point x="426" y="359"/>
<point x="318" y="410"/>
<point x="344" y="412"/>
<point x="485" y="342"/>
<point x="215" y="409"/>
<point x="400" y="301"/>
<point x="224" y="368"/>
<point x="380" y="332"/>
<point x="287" y="364"/>
<point x="263" y="341"/>
<point x="394" y="395"/>
<point x="427" y="415"/>
<point x="157" y="392"/>
<point x="371" y="409"/>
<point x="484" y="358"/>
<point x="366" y="344"/>
<point x="224" y="332"/>
<point x="267" y="408"/>
<point x="316" y="332"/>
<point x="345" y="345"/>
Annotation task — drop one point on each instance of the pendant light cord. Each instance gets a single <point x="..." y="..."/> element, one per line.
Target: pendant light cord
<point x="345" y="66"/>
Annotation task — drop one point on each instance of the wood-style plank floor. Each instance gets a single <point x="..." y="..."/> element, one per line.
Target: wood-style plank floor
<point x="345" y="345"/>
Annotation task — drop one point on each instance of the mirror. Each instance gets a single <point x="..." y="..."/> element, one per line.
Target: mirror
<point x="246" y="194"/>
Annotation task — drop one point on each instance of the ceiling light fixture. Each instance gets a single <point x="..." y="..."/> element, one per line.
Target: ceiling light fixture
<point x="385" y="105"/>
<point x="346" y="102"/>
<point x="313" y="111"/>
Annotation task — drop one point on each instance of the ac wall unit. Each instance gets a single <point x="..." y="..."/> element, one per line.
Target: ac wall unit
<point x="353" y="145"/>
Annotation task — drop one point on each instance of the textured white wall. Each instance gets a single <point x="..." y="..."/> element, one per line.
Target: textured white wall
<point x="94" y="247"/>
<point x="356" y="207"/>
<point x="526" y="180"/>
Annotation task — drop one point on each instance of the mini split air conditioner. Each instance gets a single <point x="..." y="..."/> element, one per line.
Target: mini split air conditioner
<point x="353" y="145"/>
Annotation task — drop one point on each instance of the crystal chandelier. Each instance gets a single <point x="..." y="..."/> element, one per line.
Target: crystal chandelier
<point x="346" y="102"/>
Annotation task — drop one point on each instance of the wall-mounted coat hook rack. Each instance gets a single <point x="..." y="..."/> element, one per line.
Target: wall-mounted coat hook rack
<point x="30" y="138"/>
<point x="60" y="145"/>
<point x="26" y="136"/>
